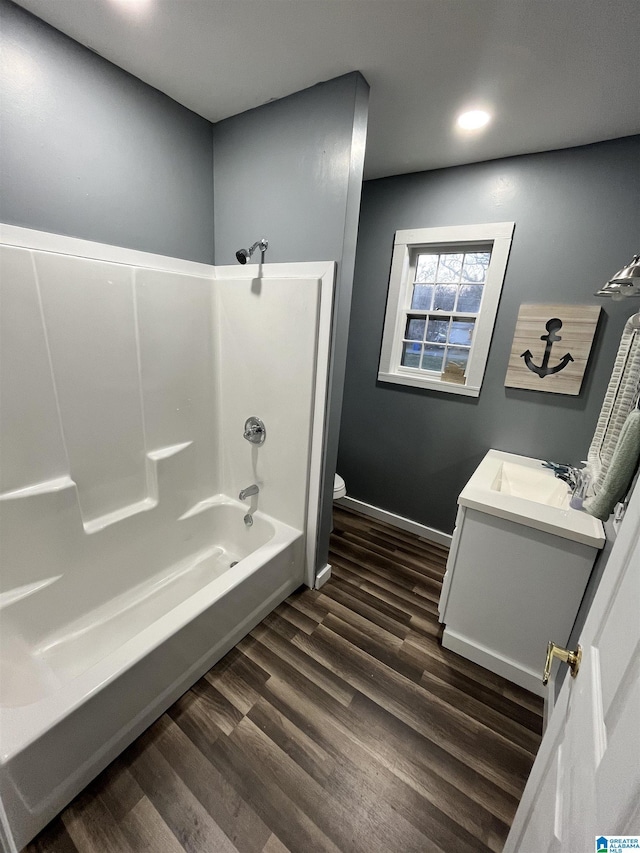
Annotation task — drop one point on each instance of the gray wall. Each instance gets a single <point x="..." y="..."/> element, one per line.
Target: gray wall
<point x="89" y="151"/>
<point x="577" y="215"/>
<point x="291" y="171"/>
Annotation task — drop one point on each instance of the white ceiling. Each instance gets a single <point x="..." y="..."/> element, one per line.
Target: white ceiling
<point x="556" y="73"/>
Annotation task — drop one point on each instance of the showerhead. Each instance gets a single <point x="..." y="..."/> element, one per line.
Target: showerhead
<point x="243" y="255"/>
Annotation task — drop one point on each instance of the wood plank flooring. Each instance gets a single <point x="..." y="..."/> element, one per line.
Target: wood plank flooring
<point x="338" y="724"/>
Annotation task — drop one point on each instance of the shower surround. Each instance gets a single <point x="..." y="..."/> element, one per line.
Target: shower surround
<point x="125" y="382"/>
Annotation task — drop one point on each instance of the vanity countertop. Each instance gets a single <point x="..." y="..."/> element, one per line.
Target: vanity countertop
<point x="518" y="488"/>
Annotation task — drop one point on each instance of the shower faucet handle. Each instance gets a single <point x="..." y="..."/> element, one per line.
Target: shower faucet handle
<point x="255" y="430"/>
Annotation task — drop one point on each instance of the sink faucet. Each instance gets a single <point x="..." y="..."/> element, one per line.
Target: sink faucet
<point x="246" y="493"/>
<point x="567" y="473"/>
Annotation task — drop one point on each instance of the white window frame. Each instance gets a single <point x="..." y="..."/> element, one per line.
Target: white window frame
<point x="494" y="235"/>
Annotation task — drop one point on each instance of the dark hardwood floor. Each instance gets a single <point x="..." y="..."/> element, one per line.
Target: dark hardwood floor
<point x="338" y="724"/>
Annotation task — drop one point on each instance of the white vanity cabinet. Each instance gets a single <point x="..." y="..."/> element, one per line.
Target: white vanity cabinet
<point x="518" y="566"/>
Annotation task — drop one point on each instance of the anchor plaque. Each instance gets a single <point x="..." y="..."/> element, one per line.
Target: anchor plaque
<point x="551" y="347"/>
<point x="553" y="326"/>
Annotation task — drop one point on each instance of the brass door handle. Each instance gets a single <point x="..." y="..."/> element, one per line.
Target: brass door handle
<point x="566" y="656"/>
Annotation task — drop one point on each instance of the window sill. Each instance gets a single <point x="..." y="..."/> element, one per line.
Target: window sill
<point x="429" y="384"/>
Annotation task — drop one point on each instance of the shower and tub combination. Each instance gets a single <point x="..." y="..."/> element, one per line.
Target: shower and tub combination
<point x="161" y="437"/>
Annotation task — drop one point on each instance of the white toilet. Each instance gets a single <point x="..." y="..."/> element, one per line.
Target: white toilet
<point x="339" y="488"/>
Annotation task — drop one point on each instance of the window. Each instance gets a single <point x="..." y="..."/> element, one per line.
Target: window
<point x="444" y="290"/>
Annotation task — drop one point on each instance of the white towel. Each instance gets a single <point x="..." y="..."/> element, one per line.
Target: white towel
<point x="624" y="463"/>
<point x="619" y="401"/>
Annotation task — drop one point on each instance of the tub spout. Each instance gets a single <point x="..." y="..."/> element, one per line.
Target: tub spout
<point x="246" y="493"/>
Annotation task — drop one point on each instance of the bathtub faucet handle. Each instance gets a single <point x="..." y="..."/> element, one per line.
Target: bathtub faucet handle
<point x="246" y="493"/>
<point x="255" y="430"/>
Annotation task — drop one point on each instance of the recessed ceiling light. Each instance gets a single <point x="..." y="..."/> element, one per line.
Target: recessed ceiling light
<point x="134" y="6"/>
<point x="473" y="119"/>
<point x="19" y="68"/>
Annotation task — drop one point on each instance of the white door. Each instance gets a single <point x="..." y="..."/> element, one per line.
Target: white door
<point x="585" y="782"/>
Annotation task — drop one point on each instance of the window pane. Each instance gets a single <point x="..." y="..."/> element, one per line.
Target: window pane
<point x="432" y="358"/>
<point x="437" y="331"/>
<point x="475" y="266"/>
<point x="411" y="355"/>
<point x="415" y="328"/>
<point x="469" y="298"/>
<point x="456" y="364"/>
<point x="449" y="268"/>
<point x="426" y="267"/>
<point x="445" y="297"/>
<point x="461" y="332"/>
<point x="422" y="296"/>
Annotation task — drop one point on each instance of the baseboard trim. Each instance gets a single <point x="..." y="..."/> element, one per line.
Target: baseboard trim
<point x="322" y="576"/>
<point x="399" y="521"/>
<point x="494" y="662"/>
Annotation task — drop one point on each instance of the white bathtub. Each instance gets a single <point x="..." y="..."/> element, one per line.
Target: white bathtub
<point x="122" y="440"/>
<point x="73" y="698"/>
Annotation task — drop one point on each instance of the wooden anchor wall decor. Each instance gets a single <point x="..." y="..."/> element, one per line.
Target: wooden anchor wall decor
<point x="551" y="347"/>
